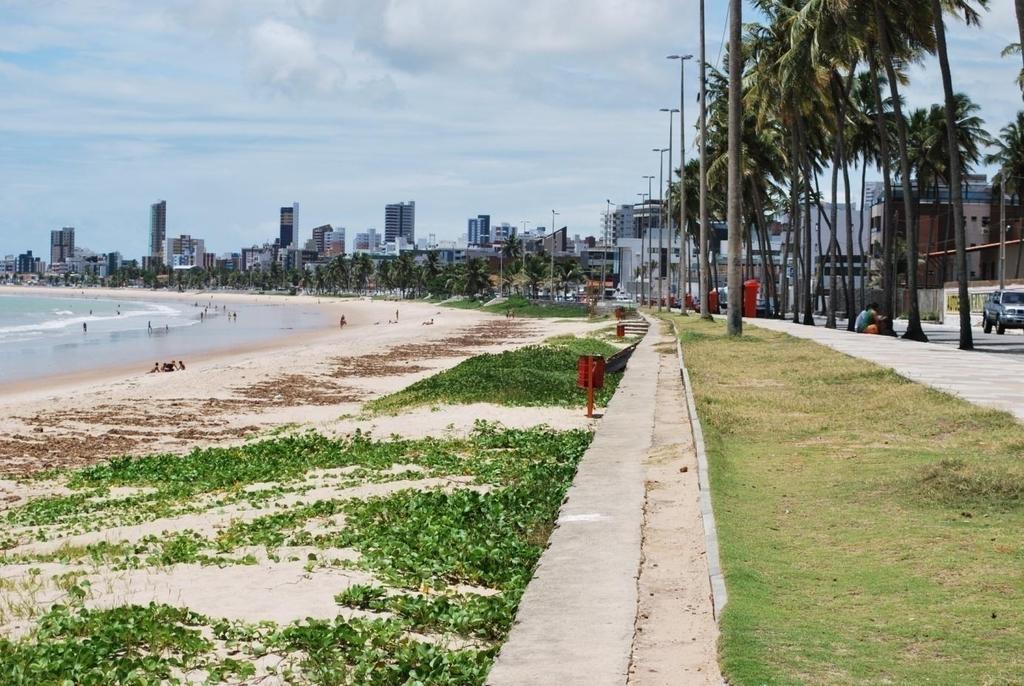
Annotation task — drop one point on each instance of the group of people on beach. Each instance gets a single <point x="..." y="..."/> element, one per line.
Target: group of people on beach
<point x="172" y="366"/>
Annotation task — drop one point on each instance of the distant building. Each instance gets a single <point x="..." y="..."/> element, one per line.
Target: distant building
<point x="114" y="262"/>
<point x="478" y="230"/>
<point x="258" y="258"/>
<point x="157" y="232"/>
<point x="334" y="242"/>
<point x="619" y="223"/>
<point x="318" y="237"/>
<point x="289" y="234"/>
<point x="502" y="232"/>
<point x="367" y="241"/>
<point x="62" y="244"/>
<point x="400" y="222"/>
<point x="27" y="264"/>
<point x="185" y="252"/>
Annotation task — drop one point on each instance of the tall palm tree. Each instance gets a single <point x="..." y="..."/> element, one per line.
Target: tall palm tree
<point x="1019" y="7"/>
<point x="705" y="269"/>
<point x="735" y="212"/>
<point x="966" y="337"/>
<point x="1009" y="156"/>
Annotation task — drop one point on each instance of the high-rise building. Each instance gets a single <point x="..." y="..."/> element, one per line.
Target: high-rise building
<point x="289" y="226"/>
<point x="157" y="231"/>
<point x="27" y="264"/>
<point x="334" y="242"/>
<point x="479" y="230"/>
<point x="619" y="224"/>
<point x="367" y="241"/>
<point x="62" y="244"/>
<point x="318" y="237"/>
<point x="185" y="252"/>
<point x="502" y="232"/>
<point x="400" y="222"/>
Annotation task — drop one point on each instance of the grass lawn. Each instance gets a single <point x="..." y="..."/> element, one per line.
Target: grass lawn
<point x="531" y="376"/>
<point x="870" y="527"/>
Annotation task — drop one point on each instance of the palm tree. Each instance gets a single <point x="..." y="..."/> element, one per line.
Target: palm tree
<point x="1009" y="156"/>
<point x="971" y="16"/>
<point x="535" y="271"/>
<point x="703" y="266"/>
<point x="476" y="276"/>
<point x="1019" y="6"/>
<point x="735" y="212"/>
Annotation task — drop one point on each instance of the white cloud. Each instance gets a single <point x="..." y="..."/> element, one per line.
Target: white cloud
<point x="286" y="60"/>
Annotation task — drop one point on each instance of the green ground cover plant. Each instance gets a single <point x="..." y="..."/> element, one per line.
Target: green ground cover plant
<point x="524" y="307"/>
<point x="869" y="526"/>
<point x="530" y="376"/>
<point x="417" y="543"/>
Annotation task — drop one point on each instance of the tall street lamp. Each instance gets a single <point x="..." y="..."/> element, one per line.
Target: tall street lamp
<point x="661" y="222"/>
<point x="640" y="295"/>
<point x="647" y="255"/>
<point x="665" y="212"/>
<point x="553" y="215"/>
<point x="604" y="249"/>
<point x="684" y="266"/>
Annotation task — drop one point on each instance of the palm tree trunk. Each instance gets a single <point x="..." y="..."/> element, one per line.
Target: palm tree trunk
<point x="704" y="228"/>
<point x="888" y="264"/>
<point x="914" y="330"/>
<point x="794" y="221"/>
<point x="806" y="293"/>
<point x="735" y="192"/>
<point x="966" y="335"/>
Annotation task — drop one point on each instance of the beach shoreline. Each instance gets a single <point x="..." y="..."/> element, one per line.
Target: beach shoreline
<point x="30" y="388"/>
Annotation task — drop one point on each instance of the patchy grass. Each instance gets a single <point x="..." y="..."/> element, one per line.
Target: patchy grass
<point x="870" y="526"/>
<point x="523" y="307"/>
<point x="486" y="528"/>
<point x="530" y="376"/>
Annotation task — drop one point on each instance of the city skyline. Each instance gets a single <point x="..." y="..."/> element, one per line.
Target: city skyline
<point x="286" y="100"/>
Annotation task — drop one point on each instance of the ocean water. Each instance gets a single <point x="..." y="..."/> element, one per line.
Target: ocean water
<point x="43" y="335"/>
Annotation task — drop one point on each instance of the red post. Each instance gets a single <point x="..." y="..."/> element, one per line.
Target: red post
<point x="590" y="388"/>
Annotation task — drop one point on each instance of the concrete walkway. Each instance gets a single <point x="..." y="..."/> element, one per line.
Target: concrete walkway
<point x="578" y="618"/>
<point x="988" y="379"/>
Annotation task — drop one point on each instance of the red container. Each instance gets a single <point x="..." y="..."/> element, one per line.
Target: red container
<point x="587" y="365"/>
<point x="713" y="301"/>
<point x="750" y="289"/>
<point x="620" y="330"/>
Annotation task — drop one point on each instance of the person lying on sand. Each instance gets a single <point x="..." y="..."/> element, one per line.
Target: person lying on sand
<point x="155" y="369"/>
<point x="169" y="366"/>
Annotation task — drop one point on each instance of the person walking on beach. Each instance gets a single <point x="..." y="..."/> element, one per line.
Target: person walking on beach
<point x="396" y="316"/>
<point x="149" y="326"/>
<point x="342" y="322"/>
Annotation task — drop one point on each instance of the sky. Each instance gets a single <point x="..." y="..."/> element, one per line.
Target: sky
<point x="230" y="109"/>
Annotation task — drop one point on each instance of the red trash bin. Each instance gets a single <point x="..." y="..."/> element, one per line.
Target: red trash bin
<point x="584" y="365"/>
<point x="750" y="289"/>
<point x="713" y="301"/>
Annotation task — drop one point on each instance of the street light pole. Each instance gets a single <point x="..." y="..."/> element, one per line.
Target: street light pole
<point x="661" y="222"/>
<point x="640" y="297"/>
<point x="604" y="249"/>
<point x="647" y="255"/>
<point x="704" y="263"/>
<point x="553" y="215"/>
<point x="684" y="238"/>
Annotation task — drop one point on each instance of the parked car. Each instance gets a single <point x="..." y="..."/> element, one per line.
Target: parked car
<point x="1003" y="310"/>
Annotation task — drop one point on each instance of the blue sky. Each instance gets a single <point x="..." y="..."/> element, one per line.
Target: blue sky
<point x="229" y="109"/>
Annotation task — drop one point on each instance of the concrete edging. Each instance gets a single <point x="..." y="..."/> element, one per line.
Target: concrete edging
<point x="576" y="621"/>
<point x="719" y="595"/>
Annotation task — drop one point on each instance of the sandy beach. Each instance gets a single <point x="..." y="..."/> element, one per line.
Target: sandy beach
<point x="315" y="380"/>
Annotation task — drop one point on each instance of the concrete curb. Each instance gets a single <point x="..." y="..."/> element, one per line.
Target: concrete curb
<point x="719" y="595"/>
